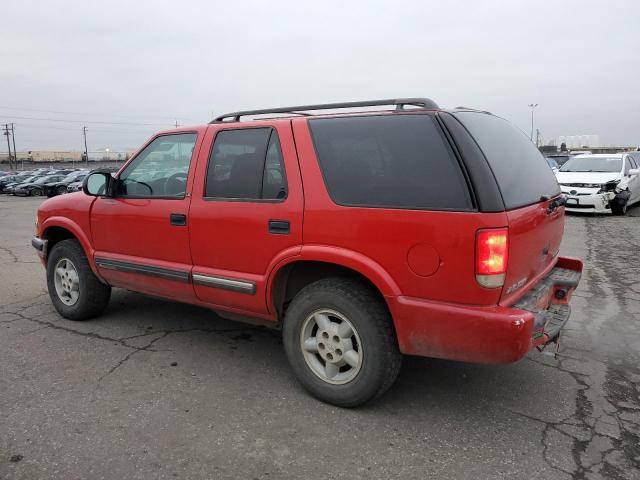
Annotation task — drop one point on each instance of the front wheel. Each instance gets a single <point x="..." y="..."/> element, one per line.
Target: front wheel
<point x="340" y="342"/>
<point x="76" y="293"/>
<point x="36" y="192"/>
<point x="619" y="210"/>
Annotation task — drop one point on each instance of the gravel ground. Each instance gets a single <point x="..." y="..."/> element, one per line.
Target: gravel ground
<point x="154" y="389"/>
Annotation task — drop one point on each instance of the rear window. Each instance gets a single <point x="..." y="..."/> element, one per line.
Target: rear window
<point x="520" y="169"/>
<point x="391" y="161"/>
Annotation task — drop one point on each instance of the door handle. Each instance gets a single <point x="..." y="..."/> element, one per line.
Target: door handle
<point x="279" y="227"/>
<point x="178" y="219"/>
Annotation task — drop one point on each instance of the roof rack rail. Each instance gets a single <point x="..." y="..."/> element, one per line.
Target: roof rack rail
<point x="299" y="109"/>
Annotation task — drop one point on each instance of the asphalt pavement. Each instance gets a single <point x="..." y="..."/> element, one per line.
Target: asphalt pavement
<point x="161" y="390"/>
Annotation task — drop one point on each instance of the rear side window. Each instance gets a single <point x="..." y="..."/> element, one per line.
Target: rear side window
<point x="520" y="169"/>
<point x="246" y="164"/>
<point x="392" y="161"/>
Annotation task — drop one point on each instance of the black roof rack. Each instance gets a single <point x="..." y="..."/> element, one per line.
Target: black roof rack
<point x="298" y="110"/>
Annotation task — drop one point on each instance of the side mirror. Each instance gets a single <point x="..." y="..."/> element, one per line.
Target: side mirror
<point x="98" y="184"/>
<point x="634" y="171"/>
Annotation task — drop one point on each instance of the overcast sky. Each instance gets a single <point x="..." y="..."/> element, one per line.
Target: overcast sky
<point x="128" y="68"/>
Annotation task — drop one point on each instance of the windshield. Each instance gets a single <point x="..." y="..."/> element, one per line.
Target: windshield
<point x="71" y="176"/>
<point x="50" y="178"/>
<point x="593" y="164"/>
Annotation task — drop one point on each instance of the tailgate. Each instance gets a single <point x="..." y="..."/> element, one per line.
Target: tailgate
<point x="535" y="233"/>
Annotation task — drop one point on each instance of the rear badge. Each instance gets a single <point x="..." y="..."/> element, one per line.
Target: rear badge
<point x="519" y="284"/>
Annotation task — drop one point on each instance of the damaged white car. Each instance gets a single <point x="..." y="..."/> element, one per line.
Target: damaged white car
<point x="602" y="183"/>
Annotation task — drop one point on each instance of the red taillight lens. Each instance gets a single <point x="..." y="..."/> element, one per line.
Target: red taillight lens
<point x="492" y="246"/>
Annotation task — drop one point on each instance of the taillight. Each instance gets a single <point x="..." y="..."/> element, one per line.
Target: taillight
<point x="492" y="246"/>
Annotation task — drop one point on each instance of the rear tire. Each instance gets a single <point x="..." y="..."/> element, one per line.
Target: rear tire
<point x="61" y="190"/>
<point x="75" y="291"/>
<point x="36" y="192"/>
<point x="340" y="342"/>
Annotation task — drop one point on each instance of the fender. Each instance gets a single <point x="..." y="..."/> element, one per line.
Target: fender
<point x="358" y="262"/>
<point x="73" y="227"/>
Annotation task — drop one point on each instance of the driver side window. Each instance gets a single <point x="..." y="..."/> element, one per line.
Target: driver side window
<point x="160" y="170"/>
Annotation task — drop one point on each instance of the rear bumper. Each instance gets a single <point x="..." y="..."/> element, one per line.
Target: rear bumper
<point x="493" y="334"/>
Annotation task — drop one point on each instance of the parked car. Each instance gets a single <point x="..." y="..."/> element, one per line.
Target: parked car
<point x="4" y="181"/>
<point x="60" y="187"/>
<point x="553" y="165"/>
<point x="14" y="178"/>
<point x="36" y="188"/>
<point x="74" y="187"/>
<point x="419" y="237"/>
<point x="19" y="180"/>
<point x="602" y="183"/>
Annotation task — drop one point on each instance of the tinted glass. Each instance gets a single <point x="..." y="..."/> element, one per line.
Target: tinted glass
<point x="246" y="164"/>
<point x="520" y="169"/>
<point x="593" y="164"/>
<point x="273" y="180"/>
<point x="395" y="161"/>
<point x="160" y="170"/>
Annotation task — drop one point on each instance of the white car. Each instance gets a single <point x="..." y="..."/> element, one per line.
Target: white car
<point x="602" y="183"/>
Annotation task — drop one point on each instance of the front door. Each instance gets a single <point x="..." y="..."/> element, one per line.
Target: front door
<point x="141" y="235"/>
<point x="247" y="213"/>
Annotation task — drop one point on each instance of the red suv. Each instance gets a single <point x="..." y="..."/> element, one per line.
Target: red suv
<point x="363" y="235"/>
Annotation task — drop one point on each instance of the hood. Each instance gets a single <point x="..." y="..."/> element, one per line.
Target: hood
<point x="586" y="177"/>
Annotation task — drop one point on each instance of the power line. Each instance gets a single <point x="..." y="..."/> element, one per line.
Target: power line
<point x="2" y="107"/>
<point x="69" y="129"/>
<point x="87" y="121"/>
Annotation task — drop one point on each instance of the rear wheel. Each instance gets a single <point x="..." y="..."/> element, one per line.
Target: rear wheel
<point x="61" y="190"/>
<point x="76" y="293"/>
<point x="340" y="342"/>
<point x="36" y="192"/>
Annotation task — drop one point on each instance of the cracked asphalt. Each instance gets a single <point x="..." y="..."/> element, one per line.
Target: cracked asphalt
<point x="155" y="389"/>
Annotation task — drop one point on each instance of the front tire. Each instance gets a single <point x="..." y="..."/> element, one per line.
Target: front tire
<point x="76" y="293"/>
<point x="619" y="210"/>
<point x="36" y="192"/>
<point x="340" y="342"/>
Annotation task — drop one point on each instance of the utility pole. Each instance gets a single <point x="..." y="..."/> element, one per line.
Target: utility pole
<point x="13" y="139"/>
<point x="86" y="151"/>
<point x="532" y="106"/>
<point x="6" y="134"/>
<point x="176" y="123"/>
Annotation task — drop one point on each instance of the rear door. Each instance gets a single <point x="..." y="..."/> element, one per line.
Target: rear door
<point x="528" y="187"/>
<point x="246" y="212"/>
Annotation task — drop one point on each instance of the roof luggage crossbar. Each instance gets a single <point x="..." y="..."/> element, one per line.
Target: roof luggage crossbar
<point x="300" y="109"/>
